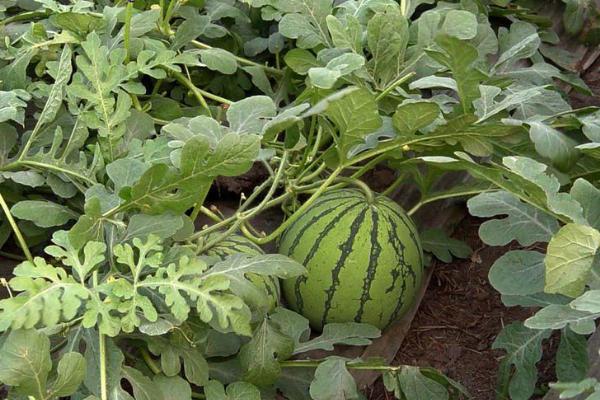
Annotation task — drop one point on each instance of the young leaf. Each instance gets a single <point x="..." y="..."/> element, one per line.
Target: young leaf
<point x="333" y="381"/>
<point x="522" y="41"/>
<point x="241" y="271"/>
<point x="487" y="106"/>
<point x="189" y="30"/>
<point x="264" y="264"/>
<point x="64" y="252"/>
<point x="180" y="282"/>
<point x="300" y="61"/>
<point x="62" y="74"/>
<point x="569" y="259"/>
<point x="588" y="302"/>
<point x="125" y="172"/>
<point x="524" y="350"/>
<point x="436" y="241"/>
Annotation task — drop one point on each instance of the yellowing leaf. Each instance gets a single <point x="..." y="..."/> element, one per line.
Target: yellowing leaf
<point x="569" y="260"/>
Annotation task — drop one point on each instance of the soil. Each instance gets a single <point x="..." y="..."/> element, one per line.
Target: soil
<point x="459" y="319"/>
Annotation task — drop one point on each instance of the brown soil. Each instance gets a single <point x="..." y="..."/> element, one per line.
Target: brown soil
<point x="459" y="319"/>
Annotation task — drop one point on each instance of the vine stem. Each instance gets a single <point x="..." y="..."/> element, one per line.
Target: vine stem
<point x="362" y="186"/>
<point x="245" y="216"/>
<point x="198" y="93"/>
<point x="210" y="214"/>
<point x="15" y="228"/>
<point x="394" y="85"/>
<point x="397" y="182"/>
<point x="445" y="196"/>
<point x="229" y="220"/>
<point x="324" y="186"/>
<point x="103" y="380"/>
<point x="128" y="14"/>
<point x="198" y="208"/>
<point x="350" y="365"/>
<point x="26" y="16"/>
<point x="150" y="361"/>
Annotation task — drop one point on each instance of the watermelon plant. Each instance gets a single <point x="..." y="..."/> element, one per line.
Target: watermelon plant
<point x="118" y="117"/>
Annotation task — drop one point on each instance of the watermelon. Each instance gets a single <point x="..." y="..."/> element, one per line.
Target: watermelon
<point x="364" y="260"/>
<point x="235" y="244"/>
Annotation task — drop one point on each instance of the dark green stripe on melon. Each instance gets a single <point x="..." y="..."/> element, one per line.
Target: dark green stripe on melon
<point x="364" y="260"/>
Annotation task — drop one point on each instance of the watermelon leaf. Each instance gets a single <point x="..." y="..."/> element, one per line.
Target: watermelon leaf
<point x="235" y="391"/>
<point x="443" y="247"/>
<point x="518" y="273"/>
<point x="572" y="357"/>
<point x="261" y="355"/>
<point x="333" y="381"/>
<point x="523" y="223"/>
<point x="27" y="364"/>
<point x="410" y="383"/>
<point x="569" y="260"/>
<point x="524" y="350"/>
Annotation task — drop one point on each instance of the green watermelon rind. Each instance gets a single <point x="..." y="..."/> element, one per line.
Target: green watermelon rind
<point x="364" y="260"/>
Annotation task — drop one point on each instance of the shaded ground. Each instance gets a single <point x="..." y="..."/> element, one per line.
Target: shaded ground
<point x="459" y="319"/>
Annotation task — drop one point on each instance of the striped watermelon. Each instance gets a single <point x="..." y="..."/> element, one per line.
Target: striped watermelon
<point x="235" y="244"/>
<point x="364" y="260"/>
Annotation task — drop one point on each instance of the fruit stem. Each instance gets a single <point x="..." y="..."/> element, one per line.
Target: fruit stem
<point x="362" y="186"/>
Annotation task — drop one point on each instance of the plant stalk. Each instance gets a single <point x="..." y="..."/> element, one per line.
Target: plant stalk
<point x="394" y="85"/>
<point x="128" y="14"/>
<point x="273" y="235"/>
<point x="350" y="365"/>
<point x="103" y="380"/>
<point x="15" y="228"/>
